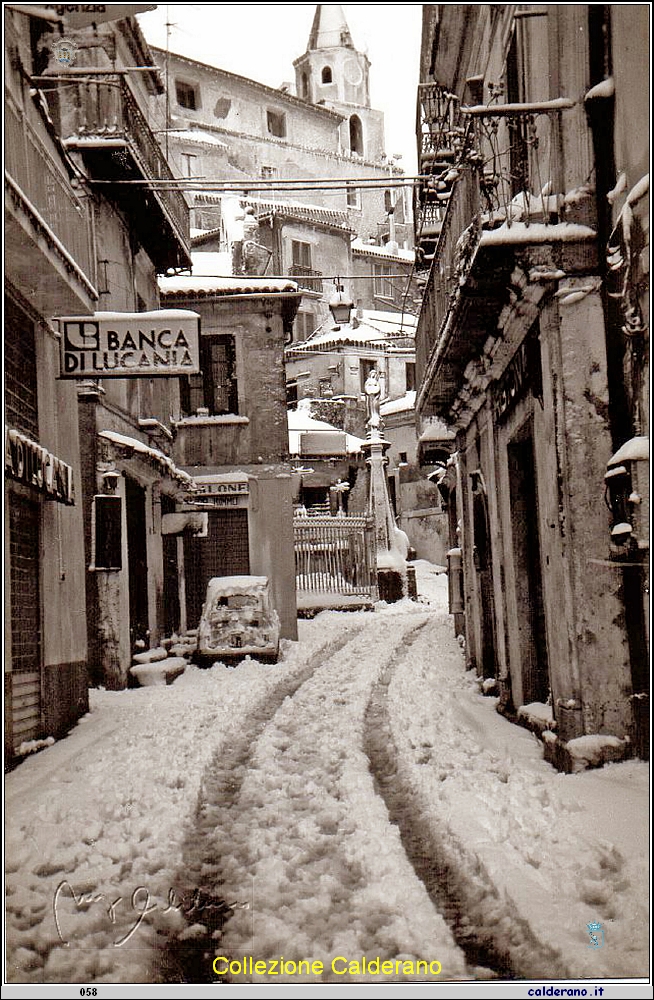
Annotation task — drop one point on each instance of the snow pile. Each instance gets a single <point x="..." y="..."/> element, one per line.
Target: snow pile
<point x="558" y="850"/>
<point x="97" y="821"/>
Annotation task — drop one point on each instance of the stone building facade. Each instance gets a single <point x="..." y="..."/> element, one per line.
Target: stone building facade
<point x="231" y="436"/>
<point x="223" y="127"/>
<point x="79" y="244"/>
<point x="535" y="167"/>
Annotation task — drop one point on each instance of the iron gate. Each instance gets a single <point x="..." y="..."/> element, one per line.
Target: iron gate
<point x="335" y="562"/>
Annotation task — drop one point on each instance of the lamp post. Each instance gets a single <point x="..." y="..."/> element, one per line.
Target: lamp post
<point x="391" y="560"/>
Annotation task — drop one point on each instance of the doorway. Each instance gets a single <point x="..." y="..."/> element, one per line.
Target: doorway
<point x="528" y="571"/>
<point x="137" y="561"/>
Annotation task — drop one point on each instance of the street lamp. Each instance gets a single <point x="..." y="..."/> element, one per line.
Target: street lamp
<point x="339" y="306"/>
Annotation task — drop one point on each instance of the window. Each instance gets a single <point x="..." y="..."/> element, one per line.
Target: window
<point x="189" y="165"/>
<point x="21" y="393"/>
<point x="304" y="326"/>
<point x="410" y="368"/>
<point x="268" y="173"/>
<point x="216" y="386"/>
<point x="276" y="122"/>
<point x="187" y="94"/>
<point x="356" y="135"/>
<point x="382" y="282"/>
<point x="353" y="197"/>
<point x="301" y="253"/>
<point x="326" y="75"/>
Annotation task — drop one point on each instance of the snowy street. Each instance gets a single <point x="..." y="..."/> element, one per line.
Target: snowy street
<point x="359" y="799"/>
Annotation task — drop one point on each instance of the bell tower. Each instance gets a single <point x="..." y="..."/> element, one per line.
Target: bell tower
<point x="334" y="73"/>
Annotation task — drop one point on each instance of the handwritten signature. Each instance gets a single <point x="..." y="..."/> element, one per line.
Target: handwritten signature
<point x="141" y="904"/>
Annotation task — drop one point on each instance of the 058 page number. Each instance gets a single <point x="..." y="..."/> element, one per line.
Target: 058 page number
<point x="88" y="991"/>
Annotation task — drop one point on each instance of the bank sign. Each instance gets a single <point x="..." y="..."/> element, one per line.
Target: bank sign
<point x="162" y="343"/>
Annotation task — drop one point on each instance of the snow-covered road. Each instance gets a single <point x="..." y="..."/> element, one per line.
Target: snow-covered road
<point x="361" y="798"/>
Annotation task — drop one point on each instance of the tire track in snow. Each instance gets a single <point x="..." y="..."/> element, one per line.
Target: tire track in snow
<point x="331" y="874"/>
<point x="188" y="955"/>
<point x="457" y="884"/>
<point x="291" y="804"/>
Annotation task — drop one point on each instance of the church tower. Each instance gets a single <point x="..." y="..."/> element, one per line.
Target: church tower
<point x="334" y="73"/>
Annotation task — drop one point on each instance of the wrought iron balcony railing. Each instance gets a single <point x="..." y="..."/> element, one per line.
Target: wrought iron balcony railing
<point x="508" y="171"/>
<point x="34" y="175"/>
<point x="102" y="113"/>
<point x="307" y="278"/>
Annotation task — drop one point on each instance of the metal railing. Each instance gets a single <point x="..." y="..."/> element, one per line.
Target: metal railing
<point x="106" y="109"/>
<point x="335" y="560"/>
<point x="34" y="171"/>
<point x="508" y="172"/>
<point x="307" y="278"/>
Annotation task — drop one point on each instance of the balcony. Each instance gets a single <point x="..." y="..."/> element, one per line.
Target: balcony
<point x="306" y="277"/>
<point x="505" y="197"/>
<point x="101" y="119"/>
<point x="49" y="233"/>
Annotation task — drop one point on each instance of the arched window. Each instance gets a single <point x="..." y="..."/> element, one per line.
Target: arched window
<point x="305" y="85"/>
<point x="326" y="74"/>
<point x="356" y="135"/>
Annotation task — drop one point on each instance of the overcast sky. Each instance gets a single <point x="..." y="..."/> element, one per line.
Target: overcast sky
<point x="261" y="41"/>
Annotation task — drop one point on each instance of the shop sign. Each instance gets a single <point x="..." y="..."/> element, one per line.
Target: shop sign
<point x="81" y="15"/>
<point x="219" y="491"/>
<point x="522" y="373"/>
<point x="27" y="462"/>
<point x="161" y="343"/>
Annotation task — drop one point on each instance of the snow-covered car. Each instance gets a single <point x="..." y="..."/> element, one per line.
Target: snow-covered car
<point x="238" y="620"/>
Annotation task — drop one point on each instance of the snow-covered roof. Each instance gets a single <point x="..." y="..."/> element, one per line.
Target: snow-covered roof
<point x="360" y="248"/>
<point x="271" y="92"/>
<point x="406" y="402"/>
<point x="370" y="329"/>
<point x="235" y="285"/>
<point x="197" y="137"/>
<point x="300" y="421"/>
<point x="305" y="213"/>
<point x="151" y="455"/>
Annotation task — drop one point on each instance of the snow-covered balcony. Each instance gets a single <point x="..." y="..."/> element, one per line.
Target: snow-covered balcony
<point x="101" y="119"/>
<point x="504" y="196"/>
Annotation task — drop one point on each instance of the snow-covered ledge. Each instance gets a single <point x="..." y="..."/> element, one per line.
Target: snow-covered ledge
<point x="204" y="420"/>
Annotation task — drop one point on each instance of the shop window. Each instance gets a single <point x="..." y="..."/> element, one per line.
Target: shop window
<point x="215" y="388"/>
<point x="326" y="75"/>
<point x="187" y="94"/>
<point x="276" y="122"/>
